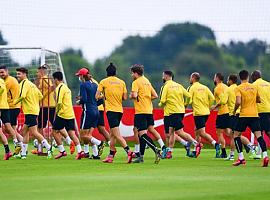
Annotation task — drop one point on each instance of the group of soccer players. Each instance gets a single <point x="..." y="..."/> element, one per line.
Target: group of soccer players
<point x="239" y="107"/>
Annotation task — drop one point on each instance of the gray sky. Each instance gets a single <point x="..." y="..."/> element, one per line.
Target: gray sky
<point x="98" y="26"/>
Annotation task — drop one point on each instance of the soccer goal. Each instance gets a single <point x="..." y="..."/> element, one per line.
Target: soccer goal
<point x="31" y="58"/>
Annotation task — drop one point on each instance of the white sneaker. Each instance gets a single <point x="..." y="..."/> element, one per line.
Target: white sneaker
<point x="229" y="158"/>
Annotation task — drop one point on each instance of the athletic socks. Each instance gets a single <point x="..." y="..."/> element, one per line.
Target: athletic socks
<point x="262" y="145"/>
<point x="68" y="140"/>
<point x="126" y="149"/>
<point x="241" y="156"/>
<point x="6" y="148"/>
<point x="142" y="146"/>
<point x="183" y="142"/>
<point x="95" y="141"/>
<point x="223" y="151"/>
<point x="79" y="148"/>
<point x="24" y="149"/>
<point x="86" y="148"/>
<point x="15" y="141"/>
<point x="214" y="143"/>
<point x="112" y="153"/>
<point x="39" y="147"/>
<point x="45" y="143"/>
<point x="61" y="148"/>
<point x="95" y="150"/>
<point x="137" y="148"/>
<point x="149" y="142"/>
<point x="161" y="143"/>
<point x="231" y="153"/>
<point x="239" y="147"/>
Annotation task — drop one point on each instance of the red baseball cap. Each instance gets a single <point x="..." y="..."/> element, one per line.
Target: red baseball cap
<point x="82" y="71"/>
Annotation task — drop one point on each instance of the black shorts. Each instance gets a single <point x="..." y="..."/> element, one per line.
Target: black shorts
<point x="14" y="113"/>
<point x="175" y="121"/>
<point x="30" y="120"/>
<point x="223" y="121"/>
<point x="61" y="123"/>
<point x="114" y="118"/>
<point x="265" y="121"/>
<point x="43" y="123"/>
<point x="252" y="122"/>
<point x="233" y="121"/>
<point x="5" y="116"/>
<point x="143" y="121"/>
<point x="89" y="119"/>
<point x="101" y="121"/>
<point x="166" y="121"/>
<point x="200" y="121"/>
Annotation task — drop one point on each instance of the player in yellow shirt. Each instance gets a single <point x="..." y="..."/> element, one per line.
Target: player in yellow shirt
<point x="201" y="100"/>
<point x="247" y="96"/>
<point x="65" y="117"/>
<point x="29" y="97"/>
<point x="222" y="121"/>
<point x="172" y="99"/>
<point x="229" y="98"/>
<point x="10" y="122"/>
<point x="263" y="107"/>
<point x="115" y="91"/>
<point x="143" y="93"/>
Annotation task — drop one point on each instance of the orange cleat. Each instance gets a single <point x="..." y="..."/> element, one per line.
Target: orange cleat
<point x="80" y="155"/>
<point x="60" y="155"/>
<point x="109" y="159"/>
<point x="72" y="147"/>
<point x="265" y="162"/>
<point x="239" y="162"/>
<point x="34" y="151"/>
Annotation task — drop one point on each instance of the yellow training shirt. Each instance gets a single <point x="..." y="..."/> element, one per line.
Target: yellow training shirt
<point x="172" y="98"/>
<point x="44" y="86"/>
<point x="218" y="92"/>
<point x="201" y="99"/>
<point x="100" y="107"/>
<point x="229" y="98"/>
<point x="30" y="97"/>
<point x="113" y="89"/>
<point x="143" y="103"/>
<point x="248" y="94"/>
<point x="3" y="95"/>
<point x="64" y="102"/>
<point x="263" y="88"/>
<point x="13" y="91"/>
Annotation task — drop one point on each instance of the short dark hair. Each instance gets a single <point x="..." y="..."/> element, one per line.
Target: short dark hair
<point x="23" y="70"/>
<point x="256" y="74"/>
<point x="137" y="68"/>
<point x="111" y="70"/>
<point x="169" y="73"/>
<point x="196" y="76"/>
<point x="58" y="75"/>
<point x="243" y="75"/>
<point x="45" y="66"/>
<point x="220" y="76"/>
<point x="233" y="78"/>
<point x="3" y="67"/>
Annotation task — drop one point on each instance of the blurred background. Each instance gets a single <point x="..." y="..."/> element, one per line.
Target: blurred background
<point x="184" y="36"/>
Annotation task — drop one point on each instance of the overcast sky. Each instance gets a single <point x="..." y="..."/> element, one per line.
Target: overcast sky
<point x="98" y="26"/>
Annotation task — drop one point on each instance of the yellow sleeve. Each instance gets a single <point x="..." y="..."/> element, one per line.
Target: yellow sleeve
<point x="124" y="87"/>
<point x="24" y="89"/>
<point x="224" y="97"/>
<point x="211" y="97"/>
<point x="40" y="96"/>
<point x="185" y="92"/>
<point x="60" y="95"/>
<point x="134" y="87"/>
<point x="101" y="86"/>
<point x="163" y="95"/>
<point x="237" y="92"/>
<point x="1" y="90"/>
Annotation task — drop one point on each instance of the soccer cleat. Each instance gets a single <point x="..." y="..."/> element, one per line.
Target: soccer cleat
<point x="187" y="148"/>
<point x="229" y="158"/>
<point x="255" y="156"/>
<point x="17" y="150"/>
<point x="80" y="155"/>
<point x="86" y="155"/>
<point x="223" y="156"/>
<point x="49" y="154"/>
<point x="217" y="148"/>
<point x="134" y="155"/>
<point x="109" y="159"/>
<point x="169" y="155"/>
<point x="100" y="148"/>
<point x="138" y="160"/>
<point x="164" y="153"/>
<point x="7" y="156"/>
<point x="23" y="157"/>
<point x="34" y="151"/>
<point x="60" y="155"/>
<point x="158" y="156"/>
<point x="94" y="157"/>
<point x="239" y="162"/>
<point x="192" y="154"/>
<point x="72" y="147"/>
<point x="129" y="157"/>
<point x="265" y="162"/>
<point x="198" y="149"/>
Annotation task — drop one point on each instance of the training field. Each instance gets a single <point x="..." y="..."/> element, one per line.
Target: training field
<point x="179" y="178"/>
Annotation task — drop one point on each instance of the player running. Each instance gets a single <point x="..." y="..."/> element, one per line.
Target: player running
<point x="172" y="99"/>
<point x="29" y="97"/>
<point x="143" y="93"/>
<point x="114" y="90"/>
<point x="65" y="118"/>
<point x="263" y="107"/>
<point x="10" y="116"/>
<point x="222" y="121"/>
<point x="90" y="114"/>
<point x="201" y="100"/>
<point x="247" y="96"/>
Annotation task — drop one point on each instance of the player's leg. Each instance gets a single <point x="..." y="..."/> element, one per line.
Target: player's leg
<point x="4" y="140"/>
<point x="101" y="126"/>
<point x="137" y="143"/>
<point x="68" y="140"/>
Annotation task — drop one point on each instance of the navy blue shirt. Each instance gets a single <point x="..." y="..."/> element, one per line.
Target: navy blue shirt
<point x="88" y="92"/>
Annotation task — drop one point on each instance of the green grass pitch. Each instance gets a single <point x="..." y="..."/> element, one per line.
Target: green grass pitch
<point x="178" y="178"/>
